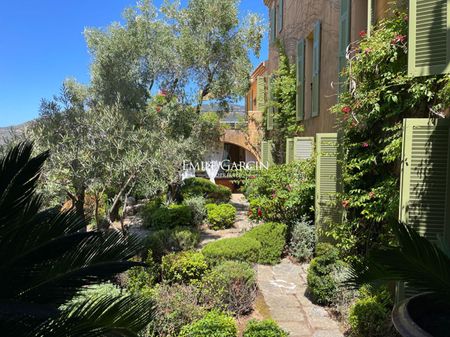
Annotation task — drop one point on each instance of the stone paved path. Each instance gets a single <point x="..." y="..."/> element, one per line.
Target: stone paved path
<point x="242" y="224"/>
<point x="283" y="287"/>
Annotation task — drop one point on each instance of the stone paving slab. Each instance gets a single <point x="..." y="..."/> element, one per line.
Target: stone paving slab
<point x="283" y="287"/>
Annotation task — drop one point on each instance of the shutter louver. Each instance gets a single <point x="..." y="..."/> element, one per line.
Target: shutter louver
<point x="270" y="110"/>
<point x="327" y="181"/>
<point x="260" y="93"/>
<point x="425" y="189"/>
<point x="303" y="148"/>
<point x="270" y="149"/>
<point x="300" y="100"/>
<point x="289" y="150"/>
<point x="371" y="17"/>
<point x="280" y="15"/>
<point x="316" y="71"/>
<point x="344" y="41"/>
<point x="429" y="37"/>
<point x="264" y="153"/>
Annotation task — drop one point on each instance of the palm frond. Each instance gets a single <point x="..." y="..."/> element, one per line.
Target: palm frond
<point x="99" y="316"/>
<point x="416" y="260"/>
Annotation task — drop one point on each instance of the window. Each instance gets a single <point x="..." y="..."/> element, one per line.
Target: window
<point x="280" y="15"/>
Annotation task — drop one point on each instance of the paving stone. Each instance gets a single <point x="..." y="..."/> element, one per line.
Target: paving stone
<point x="296" y="328"/>
<point x="327" y="333"/>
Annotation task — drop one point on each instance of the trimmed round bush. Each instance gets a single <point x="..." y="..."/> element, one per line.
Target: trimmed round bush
<point x="165" y="241"/>
<point x="266" y="328"/>
<point x="239" y="249"/>
<point x="272" y="237"/>
<point x="221" y="216"/>
<point x="370" y="314"/>
<point x="195" y="187"/>
<point x="230" y="286"/>
<point x="322" y="274"/>
<point x="303" y="240"/>
<point x="214" y="324"/>
<point x="183" y="267"/>
<point x="168" y="217"/>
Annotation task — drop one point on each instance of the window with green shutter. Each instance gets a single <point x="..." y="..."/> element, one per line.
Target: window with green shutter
<point x="328" y="179"/>
<point x="260" y="93"/>
<point x="289" y="150"/>
<point x="270" y="110"/>
<point x="303" y="148"/>
<point x="300" y="104"/>
<point x="264" y="153"/>
<point x="425" y="177"/>
<point x="270" y="149"/>
<point x="344" y="41"/>
<point x="316" y="71"/>
<point x="429" y="37"/>
<point x="280" y="14"/>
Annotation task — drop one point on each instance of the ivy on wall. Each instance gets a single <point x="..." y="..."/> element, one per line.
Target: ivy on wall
<point x="370" y="115"/>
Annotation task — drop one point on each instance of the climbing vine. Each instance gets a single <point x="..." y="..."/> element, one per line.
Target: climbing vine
<point x="283" y="87"/>
<point x="370" y="115"/>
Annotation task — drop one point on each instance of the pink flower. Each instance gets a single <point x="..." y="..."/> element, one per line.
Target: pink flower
<point x="345" y="203"/>
<point x="163" y="93"/>
<point x="363" y="34"/>
<point x="252" y="177"/>
<point x="274" y="195"/>
<point x="346" y="109"/>
<point x="399" y="39"/>
<point x="365" y="145"/>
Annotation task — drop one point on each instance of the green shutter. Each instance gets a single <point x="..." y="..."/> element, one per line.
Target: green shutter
<point x="260" y="93"/>
<point x="303" y="148"/>
<point x="289" y="150"/>
<point x="316" y="71"/>
<point x="300" y="104"/>
<point x="328" y="179"/>
<point x="270" y="110"/>
<point x="264" y="153"/>
<point x="273" y="24"/>
<point x="344" y="41"/>
<point x="425" y="177"/>
<point x="371" y="16"/>
<point x="429" y="37"/>
<point x="270" y="149"/>
<point x="280" y="15"/>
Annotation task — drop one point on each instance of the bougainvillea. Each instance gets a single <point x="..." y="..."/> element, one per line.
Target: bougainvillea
<point x="370" y="115"/>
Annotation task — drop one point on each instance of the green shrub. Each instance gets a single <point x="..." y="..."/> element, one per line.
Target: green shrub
<point x="175" y="306"/>
<point x="370" y="314"/>
<point x="272" y="237"/>
<point x="195" y="187"/>
<point x="140" y="279"/>
<point x="214" y="324"/>
<point x="183" y="267"/>
<point x="197" y="206"/>
<point x="168" y="217"/>
<point x="323" y="274"/>
<point x="303" y="240"/>
<point x="239" y="249"/>
<point x="266" y="328"/>
<point x="221" y="216"/>
<point x="230" y="286"/>
<point x="165" y="241"/>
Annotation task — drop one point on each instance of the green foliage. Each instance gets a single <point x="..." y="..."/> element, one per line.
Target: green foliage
<point x="168" y="217"/>
<point x="266" y="328"/>
<point x="140" y="279"/>
<point x="303" y="240"/>
<point x="370" y="116"/>
<point x="221" y="216"/>
<point x="195" y="187"/>
<point x="230" y="286"/>
<point x="175" y="306"/>
<point x="240" y="249"/>
<point x="370" y="315"/>
<point x="323" y="274"/>
<point x="282" y="193"/>
<point x="165" y="241"/>
<point x="272" y="237"/>
<point x="183" y="267"/>
<point x="284" y="91"/>
<point x="197" y="206"/>
<point x="214" y="324"/>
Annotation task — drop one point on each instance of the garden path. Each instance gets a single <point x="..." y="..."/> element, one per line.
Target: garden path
<point x="241" y="225"/>
<point x="283" y="287"/>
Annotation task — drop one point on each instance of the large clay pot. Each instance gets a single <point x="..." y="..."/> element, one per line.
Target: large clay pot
<point x="422" y="316"/>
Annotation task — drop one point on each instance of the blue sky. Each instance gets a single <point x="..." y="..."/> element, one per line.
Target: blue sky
<point x="41" y="44"/>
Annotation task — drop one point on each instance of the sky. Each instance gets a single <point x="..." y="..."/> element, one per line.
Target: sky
<point x="42" y="44"/>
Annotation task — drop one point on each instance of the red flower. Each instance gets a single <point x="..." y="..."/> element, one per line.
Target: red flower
<point x="346" y="109"/>
<point x="345" y="203"/>
<point x="363" y="34"/>
<point x="259" y="212"/>
<point x="365" y="145"/>
<point x="371" y="195"/>
<point x="399" y="39"/>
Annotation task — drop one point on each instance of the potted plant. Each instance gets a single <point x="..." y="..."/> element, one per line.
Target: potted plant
<point x="425" y="267"/>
